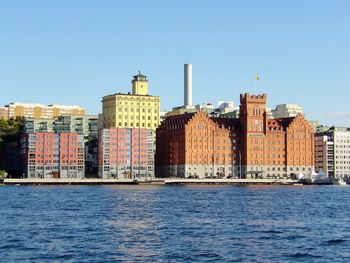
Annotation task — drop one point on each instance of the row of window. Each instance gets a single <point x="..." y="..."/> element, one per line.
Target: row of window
<point x="135" y="117"/>
<point x="143" y="125"/>
<point x="123" y="102"/>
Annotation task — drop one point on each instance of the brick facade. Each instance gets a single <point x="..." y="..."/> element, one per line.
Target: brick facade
<point x="253" y="146"/>
<point x="52" y="155"/>
<point x="194" y="145"/>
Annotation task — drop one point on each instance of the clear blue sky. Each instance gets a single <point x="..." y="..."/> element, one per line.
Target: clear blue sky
<point x="75" y="52"/>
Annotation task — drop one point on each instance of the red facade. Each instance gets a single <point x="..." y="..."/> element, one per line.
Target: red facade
<point x="251" y="146"/>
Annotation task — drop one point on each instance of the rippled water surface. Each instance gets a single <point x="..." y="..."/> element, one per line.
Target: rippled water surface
<point x="174" y="224"/>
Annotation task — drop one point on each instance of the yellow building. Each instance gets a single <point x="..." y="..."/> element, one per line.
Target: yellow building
<point x="132" y="110"/>
<point x="37" y="111"/>
<point x="3" y="113"/>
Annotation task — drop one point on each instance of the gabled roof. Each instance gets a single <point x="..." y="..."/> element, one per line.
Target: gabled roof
<point x="279" y="124"/>
<point x="177" y="121"/>
<point x="230" y="123"/>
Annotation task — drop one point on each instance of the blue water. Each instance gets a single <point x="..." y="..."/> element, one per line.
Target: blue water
<point x="174" y="224"/>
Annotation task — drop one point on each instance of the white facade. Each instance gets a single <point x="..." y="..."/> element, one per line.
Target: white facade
<point x="227" y="106"/>
<point x="287" y="110"/>
<point x="207" y="107"/>
<point x="341" y="154"/>
<point x="332" y="152"/>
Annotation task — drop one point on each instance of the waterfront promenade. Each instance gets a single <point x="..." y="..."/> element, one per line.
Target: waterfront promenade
<point x="173" y="181"/>
<point x="30" y="181"/>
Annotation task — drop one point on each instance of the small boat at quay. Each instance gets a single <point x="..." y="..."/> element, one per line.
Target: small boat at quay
<point x="340" y="181"/>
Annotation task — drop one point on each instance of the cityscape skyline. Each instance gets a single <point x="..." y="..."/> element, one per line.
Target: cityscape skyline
<point x="299" y="53"/>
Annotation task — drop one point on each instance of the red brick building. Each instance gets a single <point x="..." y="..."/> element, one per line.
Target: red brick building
<point x="52" y="155"/>
<point x="126" y="153"/>
<point x="194" y="145"/>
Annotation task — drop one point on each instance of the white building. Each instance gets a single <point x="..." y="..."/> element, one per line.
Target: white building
<point x="287" y="110"/>
<point x="342" y="153"/>
<point x="207" y="107"/>
<point x="332" y="152"/>
<point x="227" y="106"/>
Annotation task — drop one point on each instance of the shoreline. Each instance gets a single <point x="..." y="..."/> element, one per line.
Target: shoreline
<point x="156" y="181"/>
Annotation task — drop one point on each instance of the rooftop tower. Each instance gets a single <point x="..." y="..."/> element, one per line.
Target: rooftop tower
<point x="139" y="85"/>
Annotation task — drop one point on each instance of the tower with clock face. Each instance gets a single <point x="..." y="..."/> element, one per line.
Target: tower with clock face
<point x="140" y="85"/>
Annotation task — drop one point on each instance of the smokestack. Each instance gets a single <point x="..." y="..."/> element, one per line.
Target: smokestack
<point x="188" y="85"/>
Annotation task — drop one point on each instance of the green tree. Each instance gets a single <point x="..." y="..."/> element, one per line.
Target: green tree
<point x="4" y="124"/>
<point x="3" y="175"/>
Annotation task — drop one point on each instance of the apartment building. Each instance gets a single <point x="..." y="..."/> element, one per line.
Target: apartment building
<point x="37" y="111"/>
<point x="86" y="125"/>
<point x="324" y="153"/>
<point x="287" y="110"/>
<point x="332" y="152"/>
<point x="126" y="153"/>
<point x="52" y="155"/>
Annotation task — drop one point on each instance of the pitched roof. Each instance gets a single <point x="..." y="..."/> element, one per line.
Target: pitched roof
<point x="279" y="124"/>
<point x="176" y="122"/>
<point x="230" y="123"/>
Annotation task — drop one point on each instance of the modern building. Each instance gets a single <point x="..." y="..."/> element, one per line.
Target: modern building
<point x="206" y="107"/>
<point x="37" y="111"/>
<point x="132" y="110"/>
<point x="322" y="128"/>
<point x="324" y="153"/>
<point x="126" y="153"/>
<point x="227" y="107"/>
<point x="332" y="152"/>
<point x="38" y="125"/>
<point x="86" y="125"/>
<point x="82" y="124"/>
<point x="287" y="110"/>
<point x="253" y="146"/>
<point x="52" y="155"/>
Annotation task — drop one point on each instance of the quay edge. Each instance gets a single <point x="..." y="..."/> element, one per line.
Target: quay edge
<point x="69" y="181"/>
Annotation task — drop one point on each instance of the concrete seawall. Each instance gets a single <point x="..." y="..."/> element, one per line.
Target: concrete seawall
<point x="68" y="181"/>
<point x="231" y="181"/>
<point x="175" y="181"/>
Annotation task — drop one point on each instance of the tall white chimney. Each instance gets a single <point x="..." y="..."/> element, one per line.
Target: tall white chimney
<point x="188" y="85"/>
